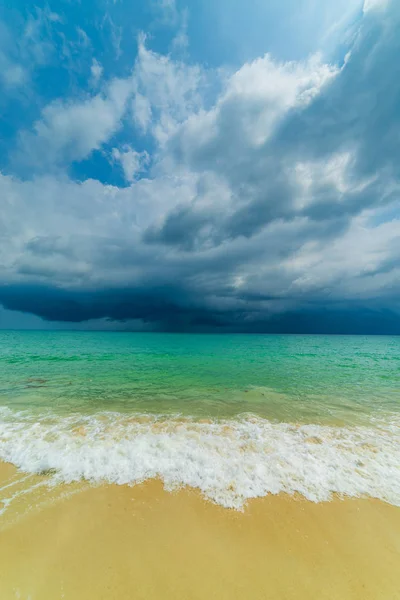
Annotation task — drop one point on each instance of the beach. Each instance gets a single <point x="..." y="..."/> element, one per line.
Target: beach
<point x="121" y="542"/>
<point x="174" y="467"/>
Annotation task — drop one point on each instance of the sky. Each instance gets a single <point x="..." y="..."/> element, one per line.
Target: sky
<point x="198" y="165"/>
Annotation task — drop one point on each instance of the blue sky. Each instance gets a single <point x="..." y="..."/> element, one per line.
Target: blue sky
<point x="200" y="165"/>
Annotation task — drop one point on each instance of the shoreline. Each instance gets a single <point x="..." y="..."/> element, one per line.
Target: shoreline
<point x="230" y="461"/>
<point x="110" y="541"/>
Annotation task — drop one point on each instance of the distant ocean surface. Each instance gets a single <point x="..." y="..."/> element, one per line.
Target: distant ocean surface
<point x="237" y="416"/>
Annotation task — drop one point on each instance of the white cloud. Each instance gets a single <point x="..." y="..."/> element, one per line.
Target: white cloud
<point x="69" y="131"/>
<point x="166" y="89"/>
<point x="181" y="40"/>
<point x="163" y="94"/>
<point x="167" y="11"/>
<point x="70" y="230"/>
<point x="141" y="109"/>
<point x="256" y="98"/>
<point x="36" y="44"/>
<point x="84" y="40"/>
<point x="350" y="266"/>
<point x="96" y="71"/>
<point x="13" y="75"/>
<point x="314" y="177"/>
<point x="133" y="163"/>
<point x="116" y="38"/>
<point x="370" y="5"/>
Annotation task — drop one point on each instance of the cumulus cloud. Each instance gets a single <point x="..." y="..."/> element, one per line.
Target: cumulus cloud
<point x="268" y="202"/>
<point x="162" y="94"/>
<point x="167" y="92"/>
<point x="132" y="162"/>
<point x="70" y="131"/>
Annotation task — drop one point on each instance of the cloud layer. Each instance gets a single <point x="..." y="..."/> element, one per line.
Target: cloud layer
<point x="261" y="198"/>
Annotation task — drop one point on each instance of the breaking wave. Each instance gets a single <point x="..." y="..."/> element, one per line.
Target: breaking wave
<point x="230" y="461"/>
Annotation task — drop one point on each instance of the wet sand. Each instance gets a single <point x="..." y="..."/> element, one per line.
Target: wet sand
<point x="115" y="542"/>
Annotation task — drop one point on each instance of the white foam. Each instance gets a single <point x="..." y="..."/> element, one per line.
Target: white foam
<point x="229" y="461"/>
<point x="15" y="482"/>
<point x="6" y="502"/>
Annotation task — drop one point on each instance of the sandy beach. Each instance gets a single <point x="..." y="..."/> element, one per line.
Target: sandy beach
<point x="118" y="542"/>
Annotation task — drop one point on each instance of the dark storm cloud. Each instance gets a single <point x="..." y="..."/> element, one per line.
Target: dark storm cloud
<point x="182" y="228"/>
<point x="169" y="312"/>
<point x="171" y="308"/>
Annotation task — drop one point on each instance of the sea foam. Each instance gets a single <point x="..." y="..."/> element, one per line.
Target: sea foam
<point x="230" y="461"/>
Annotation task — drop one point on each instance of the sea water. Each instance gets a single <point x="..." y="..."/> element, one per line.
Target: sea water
<point x="237" y="416"/>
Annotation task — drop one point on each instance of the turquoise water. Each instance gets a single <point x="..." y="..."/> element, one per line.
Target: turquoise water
<point x="285" y="378"/>
<point x="236" y="416"/>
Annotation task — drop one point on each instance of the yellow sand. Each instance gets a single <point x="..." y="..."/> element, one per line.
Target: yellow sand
<point x="116" y="542"/>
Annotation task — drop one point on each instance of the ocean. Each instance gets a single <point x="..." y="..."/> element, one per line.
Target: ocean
<point x="235" y="416"/>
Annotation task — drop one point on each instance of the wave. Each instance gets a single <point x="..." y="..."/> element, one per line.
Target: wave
<point x="230" y="461"/>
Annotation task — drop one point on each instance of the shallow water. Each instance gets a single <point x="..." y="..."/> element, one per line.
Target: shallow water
<point x="236" y="416"/>
<point x="283" y="378"/>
